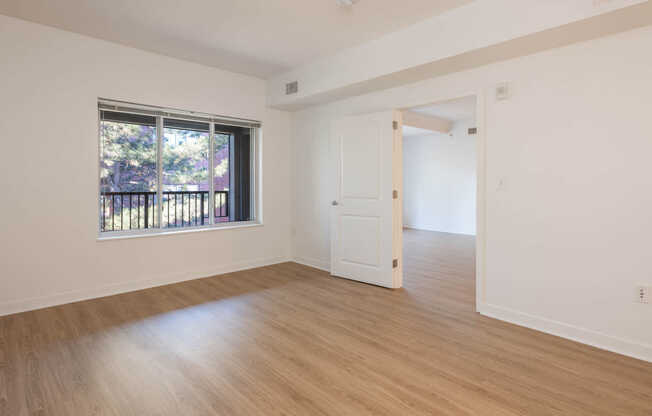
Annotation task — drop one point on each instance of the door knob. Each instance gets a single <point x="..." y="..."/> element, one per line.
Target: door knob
<point x="334" y="203"/>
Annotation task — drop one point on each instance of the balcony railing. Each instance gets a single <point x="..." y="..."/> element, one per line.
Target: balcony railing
<point x="121" y="211"/>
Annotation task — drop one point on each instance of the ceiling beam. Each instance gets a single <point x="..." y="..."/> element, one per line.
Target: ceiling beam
<point x="486" y="31"/>
<point x="428" y="122"/>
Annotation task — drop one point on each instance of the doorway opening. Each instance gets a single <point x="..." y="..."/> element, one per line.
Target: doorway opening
<point x="439" y="204"/>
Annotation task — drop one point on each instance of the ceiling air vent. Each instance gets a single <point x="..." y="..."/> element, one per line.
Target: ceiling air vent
<point x="473" y="130"/>
<point x="292" y="88"/>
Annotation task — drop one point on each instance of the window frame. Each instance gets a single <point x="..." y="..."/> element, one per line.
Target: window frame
<point x="162" y="113"/>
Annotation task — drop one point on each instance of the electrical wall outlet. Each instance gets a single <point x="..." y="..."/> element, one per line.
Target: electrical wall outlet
<point x="643" y="294"/>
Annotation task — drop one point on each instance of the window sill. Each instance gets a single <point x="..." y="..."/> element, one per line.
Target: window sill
<point x="117" y="235"/>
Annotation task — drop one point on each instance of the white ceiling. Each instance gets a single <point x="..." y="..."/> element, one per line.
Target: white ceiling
<point x="454" y="110"/>
<point x="256" y="37"/>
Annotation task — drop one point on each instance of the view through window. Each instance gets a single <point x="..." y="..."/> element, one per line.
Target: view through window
<point x="170" y="171"/>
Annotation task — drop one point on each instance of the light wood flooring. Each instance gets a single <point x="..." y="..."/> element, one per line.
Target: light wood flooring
<point x="291" y="340"/>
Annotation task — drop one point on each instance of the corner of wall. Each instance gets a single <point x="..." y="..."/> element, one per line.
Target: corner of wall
<point x="323" y="265"/>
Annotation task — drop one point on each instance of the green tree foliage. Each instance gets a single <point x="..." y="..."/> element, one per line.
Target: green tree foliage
<point x="128" y="159"/>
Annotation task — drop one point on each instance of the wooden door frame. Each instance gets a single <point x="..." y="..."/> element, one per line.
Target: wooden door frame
<point x="481" y="187"/>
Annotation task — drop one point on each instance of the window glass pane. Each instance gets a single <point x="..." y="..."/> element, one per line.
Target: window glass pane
<point x="185" y="153"/>
<point x="128" y="172"/>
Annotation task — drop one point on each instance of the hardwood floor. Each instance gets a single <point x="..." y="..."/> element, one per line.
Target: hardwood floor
<point x="290" y="340"/>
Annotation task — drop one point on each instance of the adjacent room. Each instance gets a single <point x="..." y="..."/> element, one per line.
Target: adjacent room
<point x="439" y="167"/>
<point x="439" y="193"/>
<point x="325" y="207"/>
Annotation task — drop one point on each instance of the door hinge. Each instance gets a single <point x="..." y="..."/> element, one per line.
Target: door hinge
<point x="395" y="125"/>
<point x="394" y="194"/>
<point x="394" y="263"/>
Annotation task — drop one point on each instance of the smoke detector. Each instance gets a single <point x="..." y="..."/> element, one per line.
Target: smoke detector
<point x="346" y="3"/>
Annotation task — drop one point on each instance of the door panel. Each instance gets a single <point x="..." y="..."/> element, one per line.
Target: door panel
<point x="359" y="237"/>
<point x="364" y="214"/>
<point x="361" y="162"/>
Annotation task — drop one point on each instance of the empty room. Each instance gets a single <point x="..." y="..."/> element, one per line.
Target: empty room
<point x="325" y="207"/>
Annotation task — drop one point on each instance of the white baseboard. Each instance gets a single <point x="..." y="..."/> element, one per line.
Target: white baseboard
<point x="317" y="264"/>
<point x="585" y="336"/>
<point x="23" y="305"/>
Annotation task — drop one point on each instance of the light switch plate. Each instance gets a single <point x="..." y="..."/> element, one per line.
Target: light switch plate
<point x="502" y="91"/>
<point x="643" y="294"/>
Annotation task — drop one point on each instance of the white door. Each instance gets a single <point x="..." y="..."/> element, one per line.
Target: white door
<point x="366" y="221"/>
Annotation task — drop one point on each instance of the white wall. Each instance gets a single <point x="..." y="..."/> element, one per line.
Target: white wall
<point x="568" y="231"/>
<point x="439" y="181"/>
<point x="49" y="84"/>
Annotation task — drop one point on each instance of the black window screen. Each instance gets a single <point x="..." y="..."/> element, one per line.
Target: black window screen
<point x="240" y="149"/>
